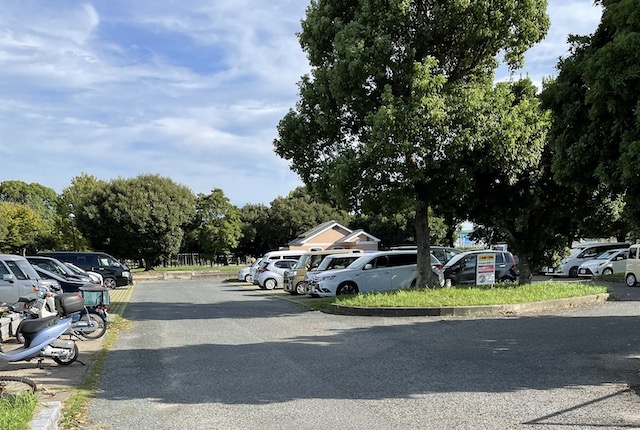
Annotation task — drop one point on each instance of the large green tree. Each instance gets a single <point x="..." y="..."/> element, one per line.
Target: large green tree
<point x="400" y="107"/>
<point x="138" y="218"/>
<point x="21" y="228"/>
<point x="595" y="100"/>
<point x="218" y="224"/>
<point x="72" y="201"/>
<point x="255" y="227"/>
<point x="42" y="200"/>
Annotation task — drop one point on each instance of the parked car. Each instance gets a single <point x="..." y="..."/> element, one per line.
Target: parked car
<point x="331" y="262"/>
<point x="275" y="255"/>
<point x="294" y="278"/>
<point x="56" y="266"/>
<point x="96" y="278"/>
<point x="461" y="269"/>
<point x="632" y="271"/>
<point x="271" y="273"/>
<point x="607" y="263"/>
<point x="377" y="271"/>
<point x="68" y="284"/>
<point x="245" y="273"/>
<point x="18" y="278"/>
<point x="579" y="254"/>
<point x="115" y="273"/>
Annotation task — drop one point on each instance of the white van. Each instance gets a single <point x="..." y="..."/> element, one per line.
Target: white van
<point x="274" y="255"/>
<point x="378" y="271"/>
<point x="579" y="254"/>
<point x="17" y="278"/>
<point x="633" y="266"/>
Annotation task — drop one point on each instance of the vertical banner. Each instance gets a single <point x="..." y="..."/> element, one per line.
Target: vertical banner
<point x="486" y="269"/>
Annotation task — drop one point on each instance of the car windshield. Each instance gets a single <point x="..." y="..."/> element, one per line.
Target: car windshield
<point x="302" y="262"/>
<point x="330" y="263"/>
<point x="75" y="268"/>
<point x="456" y="258"/>
<point x="606" y="255"/>
<point x="106" y="261"/>
<point x="576" y="251"/>
<point x="22" y="269"/>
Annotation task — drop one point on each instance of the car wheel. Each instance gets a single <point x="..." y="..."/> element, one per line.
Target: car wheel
<point x="607" y="271"/>
<point x="631" y="280"/>
<point x="270" y="284"/>
<point x="110" y="283"/>
<point x="300" y="288"/>
<point x="573" y="272"/>
<point x="247" y="278"/>
<point x="347" y="288"/>
<point x="506" y="280"/>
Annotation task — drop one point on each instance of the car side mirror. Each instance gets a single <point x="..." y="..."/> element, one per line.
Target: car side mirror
<point x="368" y="266"/>
<point x="8" y="277"/>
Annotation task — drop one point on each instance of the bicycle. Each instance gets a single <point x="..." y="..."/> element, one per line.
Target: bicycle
<point x="14" y="385"/>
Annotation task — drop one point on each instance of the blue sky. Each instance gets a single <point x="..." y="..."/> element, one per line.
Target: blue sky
<point x="191" y="90"/>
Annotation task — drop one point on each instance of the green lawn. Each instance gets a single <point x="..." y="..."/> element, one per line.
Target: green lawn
<point x="466" y="296"/>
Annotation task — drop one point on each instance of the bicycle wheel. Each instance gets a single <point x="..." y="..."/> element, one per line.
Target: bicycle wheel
<point x="98" y="326"/>
<point x="12" y="385"/>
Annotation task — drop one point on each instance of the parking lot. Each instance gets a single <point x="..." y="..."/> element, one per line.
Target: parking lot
<point x="211" y="354"/>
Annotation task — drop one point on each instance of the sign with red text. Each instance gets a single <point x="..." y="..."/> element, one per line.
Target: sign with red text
<point x="486" y="269"/>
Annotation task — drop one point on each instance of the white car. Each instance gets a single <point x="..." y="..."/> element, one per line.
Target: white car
<point x="579" y="254"/>
<point x="271" y="273"/>
<point x="96" y="278"/>
<point x="331" y="262"/>
<point x="612" y="261"/>
<point x="379" y="271"/>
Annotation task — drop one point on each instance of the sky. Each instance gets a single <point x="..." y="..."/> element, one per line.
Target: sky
<point x="190" y="90"/>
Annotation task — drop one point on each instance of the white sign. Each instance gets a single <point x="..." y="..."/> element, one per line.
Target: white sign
<point x="486" y="269"/>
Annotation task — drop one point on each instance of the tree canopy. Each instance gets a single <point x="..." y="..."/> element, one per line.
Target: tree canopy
<point x="595" y="100"/>
<point x="21" y="227"/>
<point x="400" y="106"/>
<point x="218" y="224"/>
<point x="141" y="218"/>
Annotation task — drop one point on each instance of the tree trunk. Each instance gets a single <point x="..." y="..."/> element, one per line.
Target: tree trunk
<point x="525" y="270"/>
<point x="423" y="270"/>
<point x="452" y="229"/>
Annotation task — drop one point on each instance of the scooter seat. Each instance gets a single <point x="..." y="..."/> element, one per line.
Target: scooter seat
<point x="33" y="326"/>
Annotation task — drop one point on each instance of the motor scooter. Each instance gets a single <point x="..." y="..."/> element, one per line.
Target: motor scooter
<point x="42" y="335"/>
<point x="89" y="323"/>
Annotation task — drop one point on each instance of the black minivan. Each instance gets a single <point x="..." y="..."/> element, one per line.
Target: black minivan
<point x="115" y="274"/>
<point x="461" y="268"/>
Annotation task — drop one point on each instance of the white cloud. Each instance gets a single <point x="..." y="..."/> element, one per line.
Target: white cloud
<point x="191" y="90"/>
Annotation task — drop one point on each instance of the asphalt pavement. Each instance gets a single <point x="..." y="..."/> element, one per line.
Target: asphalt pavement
<point x="215" y="355"/>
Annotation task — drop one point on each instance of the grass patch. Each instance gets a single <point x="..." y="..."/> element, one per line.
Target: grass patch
<point x="232" y="268"/>
<point x="467" y="296"/>
<point x="17" y="411"/>
<point x="75" y="407"/>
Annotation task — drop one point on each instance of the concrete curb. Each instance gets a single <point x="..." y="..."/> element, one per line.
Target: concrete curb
<point x="47" y="418"/>
<point x="471" y="310"/>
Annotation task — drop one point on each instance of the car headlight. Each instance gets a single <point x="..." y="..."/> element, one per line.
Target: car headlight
<point x="326" y="278"/>
<point x="126" y="274"/>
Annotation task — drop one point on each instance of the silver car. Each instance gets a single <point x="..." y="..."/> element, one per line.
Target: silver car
<point x="271" y="273"/>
